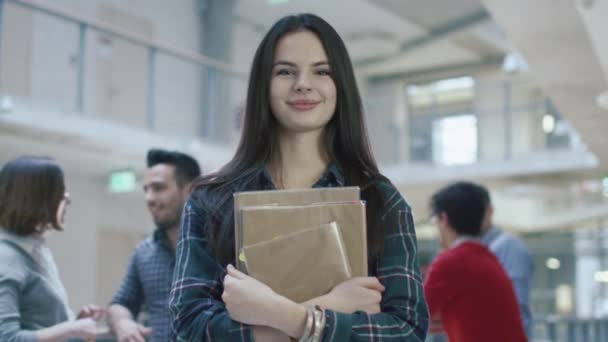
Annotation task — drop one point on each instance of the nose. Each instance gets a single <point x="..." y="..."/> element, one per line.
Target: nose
<point x="303" y="83"/>
<point x="149" y="197"/>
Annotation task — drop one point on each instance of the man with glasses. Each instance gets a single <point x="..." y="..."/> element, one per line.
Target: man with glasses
<point x="466" y="287"/>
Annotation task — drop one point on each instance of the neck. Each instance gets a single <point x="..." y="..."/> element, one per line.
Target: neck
<point x="301" y="159"/>
<point x="486" y="229"/>
<point x="172" y="236"/>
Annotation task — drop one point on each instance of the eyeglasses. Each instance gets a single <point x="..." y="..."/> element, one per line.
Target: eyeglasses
<point x="67" y="199"/>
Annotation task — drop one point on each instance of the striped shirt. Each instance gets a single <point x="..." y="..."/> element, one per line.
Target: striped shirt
<point x="200" y="315"/>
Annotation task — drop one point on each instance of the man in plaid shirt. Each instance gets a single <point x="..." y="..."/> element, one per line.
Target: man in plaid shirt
<point x="147" y="283"/>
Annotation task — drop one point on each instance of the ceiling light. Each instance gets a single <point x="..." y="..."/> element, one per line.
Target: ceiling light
<point x="553" y="263"/>
<point x="548" y="123"/>
<point x="514" y="63"/>
<point x="6" y="104"/>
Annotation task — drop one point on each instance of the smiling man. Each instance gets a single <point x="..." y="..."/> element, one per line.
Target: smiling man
<point x="167" y="183"/>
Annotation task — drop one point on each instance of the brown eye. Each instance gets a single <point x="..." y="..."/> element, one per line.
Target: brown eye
<point x="284" y="72"/>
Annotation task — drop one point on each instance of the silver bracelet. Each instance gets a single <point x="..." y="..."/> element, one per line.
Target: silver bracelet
<point x="319" y="324"/>
<point x="310" y="320"/>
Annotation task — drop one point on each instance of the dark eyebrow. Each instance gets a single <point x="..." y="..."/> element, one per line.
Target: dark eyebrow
<point x="294" y="65"/>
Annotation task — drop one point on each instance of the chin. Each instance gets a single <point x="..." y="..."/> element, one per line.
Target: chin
<point x="302" y="127"/>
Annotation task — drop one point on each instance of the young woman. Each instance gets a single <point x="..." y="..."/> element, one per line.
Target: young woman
<point x="33" y="301"/>
<point x="303" y="127"/>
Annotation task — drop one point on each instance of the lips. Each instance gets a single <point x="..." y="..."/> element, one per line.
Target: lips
<point x="303" y="105"/>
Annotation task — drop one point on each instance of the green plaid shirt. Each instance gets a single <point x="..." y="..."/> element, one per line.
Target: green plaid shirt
<point x="200" y="315"/>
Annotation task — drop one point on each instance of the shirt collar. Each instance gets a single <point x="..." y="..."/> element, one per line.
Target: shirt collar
<point x="160" y="237"/>
<point x="464" y="238"/>
<point x="333" y="176"/>
<point x="490" y="235"/>
<point x="28" y="243"/>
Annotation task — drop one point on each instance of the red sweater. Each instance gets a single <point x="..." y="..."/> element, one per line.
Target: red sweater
<point x="467" y="288"/>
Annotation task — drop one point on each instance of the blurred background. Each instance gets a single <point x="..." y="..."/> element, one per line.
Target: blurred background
<point x="511" y="94"/>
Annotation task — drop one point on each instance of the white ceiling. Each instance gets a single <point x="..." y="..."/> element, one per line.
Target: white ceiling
<point x="379" y="28"/>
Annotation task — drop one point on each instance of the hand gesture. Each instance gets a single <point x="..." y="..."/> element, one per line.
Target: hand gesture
<point x="247" y="299"/>
<point x="356" y="294"/>
<point x="127" y="330"/>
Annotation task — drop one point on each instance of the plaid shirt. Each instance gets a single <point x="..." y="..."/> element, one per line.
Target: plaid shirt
<point x="148" y="282"/>
<point x="200" y="315"/>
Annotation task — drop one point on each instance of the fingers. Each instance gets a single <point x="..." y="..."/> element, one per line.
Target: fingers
<point x="85" y="312"/>
<point x="135" y="337"/>
<point x="92" y="311"/>
<point x="371" y="283"/>
<point x="232" y="271"/>
<point x="144" y="331"/>
<point x="97" y="312"/>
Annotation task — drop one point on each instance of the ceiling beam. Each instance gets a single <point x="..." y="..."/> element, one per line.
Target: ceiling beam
<point x="434" y="34"/>
<point x="435" y="73"/>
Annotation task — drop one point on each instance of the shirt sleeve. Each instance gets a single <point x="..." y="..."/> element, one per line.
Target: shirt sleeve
<point x="404" y="315"/>
<point x="130" y="294"/>
<point x="439" y="287"/>
<point x="520" y="268"/>
<point x="195" y="302"/>
<point x="10" y="318"/>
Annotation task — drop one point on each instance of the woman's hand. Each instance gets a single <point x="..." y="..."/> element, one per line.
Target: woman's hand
<point x="356" y="294"/>
<point x="247" y="300"/>
<point x="91" y="311"/>
<point x="83" y="328"/>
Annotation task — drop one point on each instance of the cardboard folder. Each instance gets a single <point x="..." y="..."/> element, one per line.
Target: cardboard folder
<point x="260" y="224"/>
<point x="302" y="265"/>
<point x="285" y="197"/>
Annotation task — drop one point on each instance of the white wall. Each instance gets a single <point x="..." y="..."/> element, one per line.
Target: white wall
<point x="93" y="210"/>
<point x="489" y="104"/>
<point x="387" y="120"/>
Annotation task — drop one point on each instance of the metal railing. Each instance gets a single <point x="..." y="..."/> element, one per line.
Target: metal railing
<point x="212" y="71"/>
<point x="559" y="330"/>
<point x="507" y="128"/>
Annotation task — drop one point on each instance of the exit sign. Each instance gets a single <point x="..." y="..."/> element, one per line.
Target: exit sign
<point x="122" y="181"/>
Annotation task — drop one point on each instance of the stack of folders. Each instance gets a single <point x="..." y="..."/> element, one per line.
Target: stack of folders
<point x="301" y="243"/>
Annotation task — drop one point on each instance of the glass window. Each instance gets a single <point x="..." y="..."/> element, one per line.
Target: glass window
<point x="455" y="140"/>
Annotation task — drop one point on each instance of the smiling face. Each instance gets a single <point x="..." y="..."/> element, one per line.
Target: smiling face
<point x="302" y="92"/>
<point x="164" y="197"/>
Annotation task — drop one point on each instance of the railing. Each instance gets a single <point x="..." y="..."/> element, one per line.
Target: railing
<point x="147" y="85"/>
<point x="559" y="330"/>
<point x="490" y="120"/>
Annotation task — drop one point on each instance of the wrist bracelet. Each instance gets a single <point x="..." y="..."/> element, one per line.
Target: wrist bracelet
<point x="310" y="320"/>
<point x="319" y="315"/>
